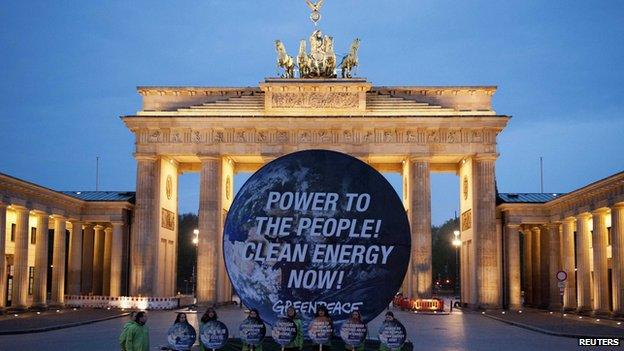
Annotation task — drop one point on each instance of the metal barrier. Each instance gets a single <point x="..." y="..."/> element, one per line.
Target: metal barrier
<point x="124" y="302"/>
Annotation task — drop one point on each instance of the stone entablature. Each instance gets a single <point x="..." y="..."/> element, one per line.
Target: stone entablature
<point x="601" y="194"/>
<point x="344" y="115"/>
<point x="17" y="192"/>
<point x="352" y="97"/>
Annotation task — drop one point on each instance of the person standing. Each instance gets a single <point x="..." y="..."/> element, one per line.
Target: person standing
<point x="356" y="317"/>
<point x="135" y="336"/>
<point x="209" y="315"/>
<point x="254" y="316"/>
<point x="296" y="344"/>
<point x="122" y="337"/>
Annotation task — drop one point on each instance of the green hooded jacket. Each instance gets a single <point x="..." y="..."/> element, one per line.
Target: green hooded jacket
<point x="298" y="342"/>
<point x="135" y="337"/>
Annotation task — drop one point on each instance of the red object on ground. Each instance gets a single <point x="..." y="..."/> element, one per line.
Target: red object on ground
<point x="421" y="305"/>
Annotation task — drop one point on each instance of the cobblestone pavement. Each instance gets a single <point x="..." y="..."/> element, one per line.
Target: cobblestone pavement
<point x="557" y="323"/>
<point x="456" y="331"/>
<point x="53" y="319"/>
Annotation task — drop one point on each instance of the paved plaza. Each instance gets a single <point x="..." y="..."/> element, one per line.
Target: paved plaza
<point x="456" y="331"/>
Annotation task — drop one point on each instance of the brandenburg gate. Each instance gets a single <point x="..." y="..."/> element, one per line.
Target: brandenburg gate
<point x="412" y="130"/>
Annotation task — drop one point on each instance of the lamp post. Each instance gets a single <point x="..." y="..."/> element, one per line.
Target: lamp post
<point x="457" y="243"/>
<point x="195" y="243"/>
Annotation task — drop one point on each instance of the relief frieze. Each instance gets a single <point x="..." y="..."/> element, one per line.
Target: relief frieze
<point x="419" y="136"/>
<point x="331" y="100"/>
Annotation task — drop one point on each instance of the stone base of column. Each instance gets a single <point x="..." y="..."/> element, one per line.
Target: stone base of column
<point x="570" y="309"/>
<point x="19" y="309"/>
<point x="514" y="307"/>
<point x="56" y="305"/>
<point x="617" y="314"/>
<point x="39" y="307"/>
<point x="555" y="306"/>
<point x="601" y="313"/>
<point x="584" y="311"/>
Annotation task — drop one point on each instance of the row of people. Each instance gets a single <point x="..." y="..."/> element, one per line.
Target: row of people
<point x="135" y="333"/>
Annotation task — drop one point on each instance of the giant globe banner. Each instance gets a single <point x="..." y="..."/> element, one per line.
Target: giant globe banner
<point x="316" y="228"/>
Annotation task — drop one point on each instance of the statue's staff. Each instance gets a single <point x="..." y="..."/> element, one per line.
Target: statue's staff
<point x="316" y="8"/>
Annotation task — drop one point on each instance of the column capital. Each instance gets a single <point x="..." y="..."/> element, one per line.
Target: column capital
<point x="76" y="223"/>
<point x="208" y="157"/>
<point x="600" y="211"/>
<point x="98" y="227"/>
<point x="618" y="206"/>
<point x="536" y="228"/>
<point x="583" y="216"/>
<point x="569" y="220"/>
<point x="145" y="156"/>
<point x="485" y="157"/>
<point x="108" y="229"/>
<point x="419" y="158"/>
<point x="58" y="217"/>
<point x="19" y="209"/>
<point x="512" y="225"/>
<point x="553" y="225"/>
<point x="117" y="224"/>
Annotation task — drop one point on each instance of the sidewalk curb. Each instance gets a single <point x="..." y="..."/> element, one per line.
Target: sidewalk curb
<point x="62" y="326"/>
<point x="548" y="332"/>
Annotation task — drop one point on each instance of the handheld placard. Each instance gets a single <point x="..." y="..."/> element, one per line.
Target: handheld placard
<point x="214" y="335"/>
<point x="252" y="332"/>
<point x="353" y="333"/>
<point x="284" y="331"/>
<point x="181" y="336"/>
<point x="392" y="334"/>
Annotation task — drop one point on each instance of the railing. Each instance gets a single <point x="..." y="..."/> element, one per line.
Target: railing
<point x="123" y="302"/>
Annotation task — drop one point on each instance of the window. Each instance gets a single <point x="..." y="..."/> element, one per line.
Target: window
<point x="31" y="279"/>
<point x="9" y="292"/>
<point x="13" y="232"/>
<point x="33" y="235"/>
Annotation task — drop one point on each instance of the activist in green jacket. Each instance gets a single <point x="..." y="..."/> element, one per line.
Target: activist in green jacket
<point x="122" y="336"/>
<point x="209" y="315"/>
<point x="296" y="344"/>
<point x="136" y="334"/>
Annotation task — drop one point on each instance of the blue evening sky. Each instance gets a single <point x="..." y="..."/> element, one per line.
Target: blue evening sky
<point x="69" y="69"/>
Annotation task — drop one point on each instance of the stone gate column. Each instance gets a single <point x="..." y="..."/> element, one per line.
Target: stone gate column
<point x="20" y="259"/>
<point x="209" y="213"/>
<point x="144" y="238"/>
<point x="41" y="260"/>
<point x="554" y="266"/>
<point x="116" y="259"/>
<point x="98" y="259"/>
<point x="487" y="260"/>
<point x="536" y="265"/>
<point x="74" y="266"/>
<point x="601" y="269"/>
<point x="617" y="260"/>
<point x="569" y="296"/>
<point x="528" y="267"/>
<point x="87" y="259"/>
<point x="583" y="237"/>
<point x="106" y="270"/>
<point x="421" y="227"/>
<point x="58" y="262"/>
<point x="3" y="212"/>
<point x="512" y="240"/>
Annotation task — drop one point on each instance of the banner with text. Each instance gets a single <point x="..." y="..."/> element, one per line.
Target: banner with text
<point x="317" y="228"/>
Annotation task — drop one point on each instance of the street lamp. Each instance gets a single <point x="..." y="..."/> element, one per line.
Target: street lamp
<point x="457" y="243"/>
<point x="196" y="244"/>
